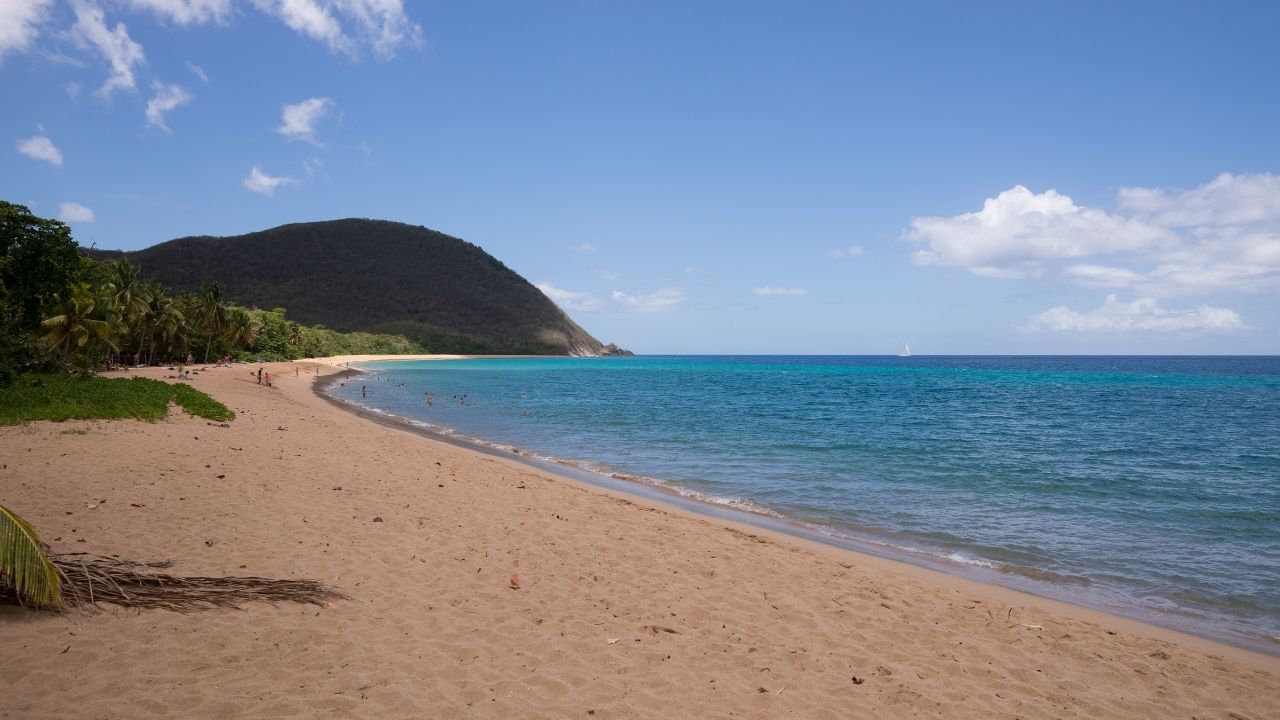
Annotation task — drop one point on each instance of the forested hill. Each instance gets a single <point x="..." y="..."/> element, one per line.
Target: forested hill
<point x="375" y="276"/>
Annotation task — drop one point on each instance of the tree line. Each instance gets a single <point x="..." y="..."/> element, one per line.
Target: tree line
<point x="60" y="310"/>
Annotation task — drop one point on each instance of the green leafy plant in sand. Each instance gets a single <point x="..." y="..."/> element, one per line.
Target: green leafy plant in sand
<point x="25" y="569"/>
<point x="66" y="397"/>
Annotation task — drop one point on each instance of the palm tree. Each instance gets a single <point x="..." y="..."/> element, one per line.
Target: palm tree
<point x="242" y="328"/>
<point x="125" y="303"/>
<point x="170" y="324"/>
<point x="78" y="325"/>
<point x="295" y="337"/>
<point x="150" y="292"/>
<point x="24" y="563"/>
<point x="211" y="315"/>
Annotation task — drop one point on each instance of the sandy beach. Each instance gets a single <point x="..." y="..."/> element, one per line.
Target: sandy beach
<point x="482" y="587"/>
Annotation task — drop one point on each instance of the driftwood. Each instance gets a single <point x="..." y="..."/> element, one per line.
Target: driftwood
<point x="91" y="579"/>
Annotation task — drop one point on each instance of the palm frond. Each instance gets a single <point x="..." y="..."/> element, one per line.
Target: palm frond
<point x="24" y="565"/>
<point x="91" y="579"/>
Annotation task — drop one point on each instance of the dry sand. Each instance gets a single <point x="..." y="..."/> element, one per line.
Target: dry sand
<point x="625" y="608"/>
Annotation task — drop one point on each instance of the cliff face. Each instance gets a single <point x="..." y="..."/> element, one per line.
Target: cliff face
<point x="375" y="276"/>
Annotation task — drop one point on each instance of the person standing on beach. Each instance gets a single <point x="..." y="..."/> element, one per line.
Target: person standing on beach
<point x="259" y="374"/>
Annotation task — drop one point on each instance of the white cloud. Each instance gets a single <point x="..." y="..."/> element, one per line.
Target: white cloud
<point x="345" y="26"/>
<point x="265" y="184"/>
<point x="1225" y="200"/>
<point x="187" y="12"/>
<point x="114" y="45"/>
<point x="852" y="251"/>
<point x="69" y="212"/>
<point x="41" y="148"/>
<point x="199" y="72"/>
<point x="585" y="248"/>
<point x="779" y="291"/>
<point x="380" y="24"/>
<point x="383" y="24"/>
<point x="660" y="300"/>
<point x="1102" y="275"/>
<point x="19" y="23"/>
<point x="1018" y="231"/>
<point x="1221" y="236"/>
<point x="167" y="98"/>
<point x="570" y="299"/>
<point x="1141" y="315"/>
<point x="73" y="90"/>
<point x="311" y="19"/>
<point x="299" y="121"/>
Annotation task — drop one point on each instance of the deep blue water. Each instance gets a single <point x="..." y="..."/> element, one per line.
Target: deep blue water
<point x="1146" y="486"/>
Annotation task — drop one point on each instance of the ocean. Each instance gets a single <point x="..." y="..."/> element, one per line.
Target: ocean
<point x="1147" y="487"/>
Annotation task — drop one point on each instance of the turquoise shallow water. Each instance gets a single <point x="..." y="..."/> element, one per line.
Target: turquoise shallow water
<point x="1144" y="486"/>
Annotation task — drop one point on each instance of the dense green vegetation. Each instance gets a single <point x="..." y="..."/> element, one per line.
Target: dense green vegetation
<point x="60" y="311"/>
<point x="58" y="396"/>
<point x="38" y="261"/>
<point x="446" y="294"/>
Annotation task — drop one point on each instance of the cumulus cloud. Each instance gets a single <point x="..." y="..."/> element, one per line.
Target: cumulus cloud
<point x="299" y="121"/>
<point x="41" y="147"/>
<point x="1223" y="235"/>
<point x="19" y="23"/>
<point x="265" y="184"/>
<point x="570" y="299"/>
<point x="660" y="300"/>
<point x="850" y="252"/>
<point x="187" y="12"/>
<point x="113" y="44"/>
<point x="779" y="291"/>
<point x="69" y="212"/>
<point x="166" y="98"/>
<point x="346" y="25"/>
<point x="1018" y="231"/>
<point x="1143" y="314"/>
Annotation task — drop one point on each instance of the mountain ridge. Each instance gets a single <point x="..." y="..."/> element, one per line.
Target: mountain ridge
<point x="381" y="276"/>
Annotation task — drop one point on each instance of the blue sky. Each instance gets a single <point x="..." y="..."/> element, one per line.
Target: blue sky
<point x="703" y="177"/>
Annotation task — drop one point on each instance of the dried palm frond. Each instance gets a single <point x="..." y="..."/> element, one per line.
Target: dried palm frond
<point x="30" y="574"/>
<point x="91" y="579"/>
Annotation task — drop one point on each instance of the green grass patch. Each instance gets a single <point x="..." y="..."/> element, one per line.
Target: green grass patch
<point x="199" y="404"/>
<point x="60" y="397"/>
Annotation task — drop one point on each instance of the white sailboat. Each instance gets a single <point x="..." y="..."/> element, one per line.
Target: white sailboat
<point x="906" y="351"/>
